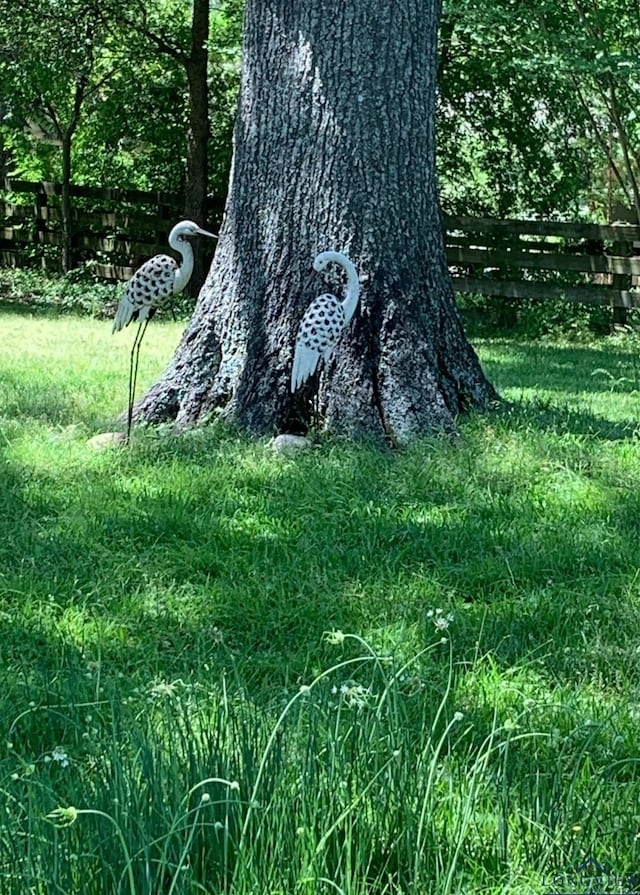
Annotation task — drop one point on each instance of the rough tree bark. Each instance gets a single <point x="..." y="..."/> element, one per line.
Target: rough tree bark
<point x="334" y="149"/>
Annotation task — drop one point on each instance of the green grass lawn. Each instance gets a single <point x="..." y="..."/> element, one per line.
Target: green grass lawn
<point x="172" y="666"/>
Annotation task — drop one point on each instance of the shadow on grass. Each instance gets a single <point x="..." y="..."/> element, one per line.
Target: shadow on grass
<point x="28" y="309"/>
<point x="147" y="567"/>
<point x="564" y="368"/>
<point x="543" y="416"/>
<point x="147" y="572"/>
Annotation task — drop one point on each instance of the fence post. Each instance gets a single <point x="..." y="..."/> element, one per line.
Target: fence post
<point x="621" y="282"/>
<point x="40" y="202"/>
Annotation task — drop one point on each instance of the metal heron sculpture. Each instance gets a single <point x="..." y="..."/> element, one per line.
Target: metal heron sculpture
<point x="152" y="286"/>
<point x="324" y="321"/>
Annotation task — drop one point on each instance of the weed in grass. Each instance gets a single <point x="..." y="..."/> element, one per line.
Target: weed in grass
<point x="394" y="792"/>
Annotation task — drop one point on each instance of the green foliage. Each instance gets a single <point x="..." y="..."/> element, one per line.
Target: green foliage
<point x="48" y="49"/>
<point x="537" y="109"/>
<point x="133" y="134"/>
<point x="136" y="135"/>
<point x="536" y="106"/>
<point x="77" y="291"/>
<point x="162" y="619"/>
<point x="535" y="319"/>
<point x="132" y="130"/>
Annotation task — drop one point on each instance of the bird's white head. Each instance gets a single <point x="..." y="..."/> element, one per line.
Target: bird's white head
<point x="325" y="258"/>
<point x="353" y="285"/>
<point x="188" y="228"/>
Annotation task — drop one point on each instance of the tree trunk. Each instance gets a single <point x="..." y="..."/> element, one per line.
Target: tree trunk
<point x="65" y="202"/>
<point x="334" y="149"/>
<point x="195" y="201"/>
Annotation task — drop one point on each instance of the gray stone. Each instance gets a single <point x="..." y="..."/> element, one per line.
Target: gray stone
<point x="289" y="444"/>
<point x="107" y="440"/>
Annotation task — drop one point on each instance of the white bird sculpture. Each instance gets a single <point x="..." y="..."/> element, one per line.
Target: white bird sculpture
<point x="324" y="321"/>
<point x="151" y="287"/>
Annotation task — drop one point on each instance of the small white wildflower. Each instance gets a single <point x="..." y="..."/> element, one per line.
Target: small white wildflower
<point x="204" y="798"/>
<point x="164" y="689"/>
<point x="335" y="638"/>
<point x="355" y="694"/>
<point x="458" y="716"/>
<point x="15" y="777"/>
<point x="304" y="688"/>
<point x="61" y="757"/>
<point x="334" y="690"/>
<point x="234" y="785"/>
<point x="442" y="622"/>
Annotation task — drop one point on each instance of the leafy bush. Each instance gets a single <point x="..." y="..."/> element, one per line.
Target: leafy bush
<point x="78" y="291"/>
<point x="530" y="317"/>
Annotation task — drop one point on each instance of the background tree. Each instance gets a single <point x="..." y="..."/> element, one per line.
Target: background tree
<point x="334" y="149"/>
<point x="177" y="33"/>
<point x="180" y="31"/>
<point x="48" y="69"/>
<point x="537" y="106"/>
<point x="136" y="135"/>
<point x="596" y="44"/>
<point x="132" y="131"/>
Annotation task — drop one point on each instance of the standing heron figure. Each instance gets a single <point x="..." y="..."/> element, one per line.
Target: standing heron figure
<point x="324" y="321"/>
<point x="151" y="287"/>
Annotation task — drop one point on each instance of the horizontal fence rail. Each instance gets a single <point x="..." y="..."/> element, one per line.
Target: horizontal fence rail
<point x="113" y="229"/>
<point x="597" y="264"/>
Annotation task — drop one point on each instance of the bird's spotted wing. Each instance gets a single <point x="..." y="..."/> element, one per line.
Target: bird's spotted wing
<point x="319" y="330"/>
<point x="148" y="289"/>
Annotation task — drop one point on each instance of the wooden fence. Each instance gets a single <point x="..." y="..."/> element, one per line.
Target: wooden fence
<point x="117" y="229"/>
<point x="114" y="229"/>
<point x="587" y="263"/>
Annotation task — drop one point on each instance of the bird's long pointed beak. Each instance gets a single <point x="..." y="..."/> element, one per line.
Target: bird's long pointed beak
<point x="206" y="233"/>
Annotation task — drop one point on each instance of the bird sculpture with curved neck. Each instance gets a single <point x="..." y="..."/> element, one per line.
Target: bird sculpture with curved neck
<point x="324" y="321"/>
<point x="152" y="286"/>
